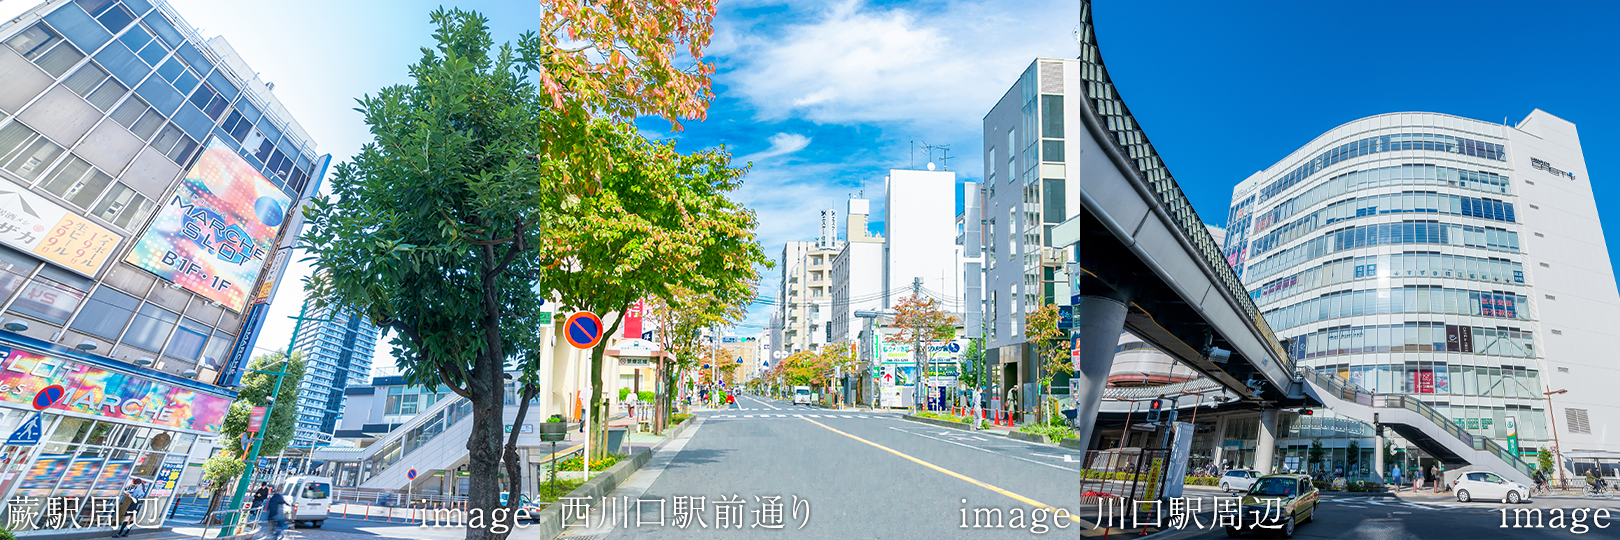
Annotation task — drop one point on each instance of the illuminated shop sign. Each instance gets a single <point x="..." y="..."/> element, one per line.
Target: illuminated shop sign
<point x="108" y="394"/>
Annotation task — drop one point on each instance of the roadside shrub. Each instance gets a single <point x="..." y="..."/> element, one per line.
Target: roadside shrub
<point x="1201" y="481"/>
<point x="1053" y="432"/>
<point x="942" y="416"/>
<point x="646" y="396"/>
<point x="623" y="393"/>
<point x="572" y="464"/>
<point x="678" y="418"/>
<point x="1324" y="486"/>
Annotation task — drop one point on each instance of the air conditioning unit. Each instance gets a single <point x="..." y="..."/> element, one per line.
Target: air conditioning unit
<point x="1053" y="256"/>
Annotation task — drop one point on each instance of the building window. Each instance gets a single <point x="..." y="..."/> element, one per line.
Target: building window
<point x="94" y="85"/>
<point x="106" y="313"/>
<point x="76" y="182"/>
<point x="46" y="49"/>
<point x="52" y="296"/>
<point x="123" y="207"/>
<point x="151" y="327"/>
<point x="188" y="340"/>
<point x="14" y="270"/>
<point x="1577" y="421"/>
<point x="24" y="152"/>
<point x="138" y="118"/>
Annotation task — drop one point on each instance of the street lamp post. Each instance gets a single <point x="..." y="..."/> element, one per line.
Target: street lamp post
<point x="1558" y="460"/>
<point x="269" y="411"/>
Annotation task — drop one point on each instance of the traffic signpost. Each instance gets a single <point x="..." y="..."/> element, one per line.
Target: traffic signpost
<point x="583" y="330"/>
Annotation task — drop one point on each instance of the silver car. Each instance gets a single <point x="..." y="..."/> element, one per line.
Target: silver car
<point x="1238" y="479"/>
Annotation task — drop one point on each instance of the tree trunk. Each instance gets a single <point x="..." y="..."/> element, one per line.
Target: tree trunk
<point x="484" y="445"/>
<point x="660" y="400"/>
<point x="599" y="419"/>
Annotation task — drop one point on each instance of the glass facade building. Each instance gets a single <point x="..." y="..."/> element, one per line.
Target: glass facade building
<point x="1394" y="251"/>
<point x="338" y="347"/>
<point x="106" y="107"/>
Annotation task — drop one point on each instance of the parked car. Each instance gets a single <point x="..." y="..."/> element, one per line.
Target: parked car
<point x="1489" y="486"/>
<point x="529" y="507"/>
<point x="1238" y="479"/>
<point x="1295" y="502"/>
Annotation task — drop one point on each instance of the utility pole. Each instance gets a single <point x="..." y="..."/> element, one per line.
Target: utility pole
<point x="920" y="386"/>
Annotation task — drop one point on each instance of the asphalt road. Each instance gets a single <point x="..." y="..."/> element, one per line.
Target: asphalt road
<point x="864" y="475"/>
<point x="1437" y="517"/>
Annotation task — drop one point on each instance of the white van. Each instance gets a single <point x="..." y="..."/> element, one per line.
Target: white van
<point x="801" y="394"/>
<point x="310" y="497"/>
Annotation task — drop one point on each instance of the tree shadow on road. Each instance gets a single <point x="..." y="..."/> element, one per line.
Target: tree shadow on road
<point x="698" y="457"/>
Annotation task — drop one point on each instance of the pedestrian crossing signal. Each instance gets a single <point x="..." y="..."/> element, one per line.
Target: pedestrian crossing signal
<point x="1153" y="410"/>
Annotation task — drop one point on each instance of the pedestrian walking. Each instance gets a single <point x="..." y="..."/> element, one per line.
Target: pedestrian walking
<point x="1433" y="478"/>
<point x="133" y="495"/>
<point x="1418" y="477"/>
<point x="1395" y="474"/>
<point x="276" y="513"/>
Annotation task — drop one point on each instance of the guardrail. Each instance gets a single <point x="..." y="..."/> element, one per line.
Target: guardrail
<point x="1348" y="391"/>
<point x="231" y="523"/>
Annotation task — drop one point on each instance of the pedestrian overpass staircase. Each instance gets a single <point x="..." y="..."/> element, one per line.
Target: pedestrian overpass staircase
<point x="434" y="440"/>
<point x="1417" y="422"/>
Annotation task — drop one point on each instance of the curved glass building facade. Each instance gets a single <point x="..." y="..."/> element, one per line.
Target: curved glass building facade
<point x="1397" y="251"/>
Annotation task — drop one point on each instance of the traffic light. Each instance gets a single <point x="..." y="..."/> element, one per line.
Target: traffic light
<point x="1153" y="410"/>
<point x="1307" y="412"/>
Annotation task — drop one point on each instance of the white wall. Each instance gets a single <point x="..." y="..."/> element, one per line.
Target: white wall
<point x="1568" y="263"/>
<point x="920" y="220"/>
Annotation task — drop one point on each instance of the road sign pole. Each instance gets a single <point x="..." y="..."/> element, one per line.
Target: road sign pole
<point x="253" y="453"/>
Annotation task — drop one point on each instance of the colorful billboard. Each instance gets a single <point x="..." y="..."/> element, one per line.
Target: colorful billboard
<point x="30" y="223"/>
<point x="108" y="394"/>
<point x="214" y="233"/>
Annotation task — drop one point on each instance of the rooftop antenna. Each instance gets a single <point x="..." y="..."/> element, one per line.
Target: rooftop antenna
<point x="945" y="153"/>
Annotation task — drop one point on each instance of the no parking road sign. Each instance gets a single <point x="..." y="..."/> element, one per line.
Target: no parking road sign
<point x="411" y="474"/>
<point x="583" y="330"/>
<point x="48" y="396"/>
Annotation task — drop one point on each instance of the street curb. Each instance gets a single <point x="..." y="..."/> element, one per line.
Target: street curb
<point x="1029" y="437"/>
<point x="549" y="521"/>
<point x="937" y="422"/>
<point x="1071" y="443"/>
<point x="670" y="433"/>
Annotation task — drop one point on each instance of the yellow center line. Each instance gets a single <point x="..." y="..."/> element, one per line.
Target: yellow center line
<point x="1020" y="498"/>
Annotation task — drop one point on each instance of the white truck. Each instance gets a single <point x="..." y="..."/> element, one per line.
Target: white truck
<point x="801" y="394"/>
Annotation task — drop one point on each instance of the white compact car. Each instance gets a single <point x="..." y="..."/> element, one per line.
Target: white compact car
<point x="1238" y="479"/>
<point x="1489" y="486"/>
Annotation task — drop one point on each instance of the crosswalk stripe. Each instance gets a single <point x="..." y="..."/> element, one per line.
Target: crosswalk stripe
<point x="847" y="416"/>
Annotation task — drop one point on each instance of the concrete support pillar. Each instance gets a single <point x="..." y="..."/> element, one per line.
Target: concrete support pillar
<point x="1378" y="453"/>
<point x="1266" y="447"/>
<point x="1100" y="322"/>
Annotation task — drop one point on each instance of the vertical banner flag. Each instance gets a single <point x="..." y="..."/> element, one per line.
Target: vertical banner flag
<point x="632" y="319"/>
<point x="213" y="234"/>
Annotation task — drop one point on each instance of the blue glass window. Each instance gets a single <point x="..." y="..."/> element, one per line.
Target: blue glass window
<point x="163" y="29"/>
<point x="115" y="17"/>
<point x="122" y="63"/>
<point x="136" y="38"/>
<point x="78" y="27"/>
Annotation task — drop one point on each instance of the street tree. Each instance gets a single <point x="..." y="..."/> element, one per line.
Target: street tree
<point x="681" y="318"/>
<point x="432" y="229"/>
<point x="1051" y="353"/>
<point x="1315" y="455"/>
<point x="920" y="320"/>
<point x="224" y="468"/>
<point x="660" y="223"/>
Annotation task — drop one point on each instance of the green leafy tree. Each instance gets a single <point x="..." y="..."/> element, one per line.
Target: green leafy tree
<point x="920" y="320"/>
<point x="1544" y="460"/>
<point x="433" y="229"/>
<point x="1051" y="350"/>
<point x="1316" y="454"/>
<point x="659" y="224"/>
<point x="1352" y="453"/>
<point x="224" y="467"/>
<point x="682" y="316"/>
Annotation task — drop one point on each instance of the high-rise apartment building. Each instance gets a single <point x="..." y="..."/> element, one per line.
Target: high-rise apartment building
<point x="148" y="179"/>
<point x="1455" y="260"/>
<point x="338" y="348"/>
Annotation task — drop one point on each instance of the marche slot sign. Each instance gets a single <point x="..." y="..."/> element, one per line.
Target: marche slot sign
<point x="109" y="394"/>
<point x="213" y="234"/>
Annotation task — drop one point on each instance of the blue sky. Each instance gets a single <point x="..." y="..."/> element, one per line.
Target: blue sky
<point x="824" y="97"/>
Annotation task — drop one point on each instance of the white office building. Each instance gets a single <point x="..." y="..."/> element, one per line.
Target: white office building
<point x="920" y="219"/>
<point x="857" y="274"/>
<point x="1456" y="260"/>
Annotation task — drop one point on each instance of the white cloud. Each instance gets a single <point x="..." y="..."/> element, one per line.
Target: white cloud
<point x="781" y="144"/>
<point x="937" y="66"/>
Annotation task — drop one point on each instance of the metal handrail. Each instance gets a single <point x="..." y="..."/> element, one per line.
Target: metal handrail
<point x="251" y="525"/>
<point x="1342" y="388"/>
<point x="1104" y="98"/>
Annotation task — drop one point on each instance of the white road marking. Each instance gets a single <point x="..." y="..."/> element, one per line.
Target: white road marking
<point x="987" y="451"/>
